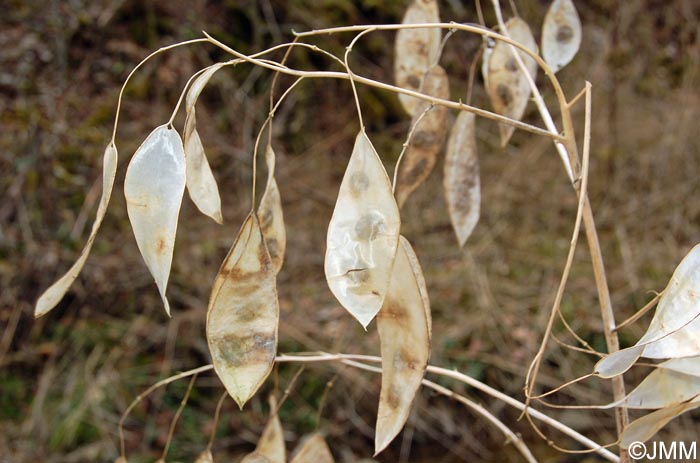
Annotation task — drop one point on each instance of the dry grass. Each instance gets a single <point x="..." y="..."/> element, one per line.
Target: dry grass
<point x="65" y="379"/>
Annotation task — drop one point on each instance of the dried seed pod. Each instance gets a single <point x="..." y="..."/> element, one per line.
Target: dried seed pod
<point x="662" y="388"/>
<point x="243" y="315"/>
<point x="674" y="332"/>
<point x="362" y="235"/>
<point x="314" y="450"/>
<point x="688" y="365"/>
<point x="201" y="183"/>
<point x="154" y="185"/>
<point x="53" y="295"/>
<point x="427" y="139"/>
<point x="271" y="443"/>
<point x="506" y="85"/>
<point x="404" y="334"/>
<point x="205" y="457"/>
<point x="461" y="178"/>
<point x="271" y="216"/>
<point x="561" y="34"/>
<point x="645" y="427"/>
<point x="255" y="457"/>
<point x="416" y="50"/>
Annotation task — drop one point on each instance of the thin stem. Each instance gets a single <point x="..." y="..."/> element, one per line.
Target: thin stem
<point x="468" y="380"/>
<point x="405" y="146"/>
<point x="267" y="123"/>
<point x="559" y="388"/>
<point x="121" y="92"/>
<point x="472" y="74"/>
<point x="288" y="389"/>
<point x="324" y="397"/>
<point x="145" y="393"/>
<point x="173" y="423"/>
<point x="640" y="312"/>
<point x="217" y="414"/>
<point x="351" y="75"/>
<point x="381" y="85"/>
<point x="531" y="378"/>
<point x="510" y="435"/>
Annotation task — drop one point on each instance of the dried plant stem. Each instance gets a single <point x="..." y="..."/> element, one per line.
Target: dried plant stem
<point x="392" y="88"/>
<point x="404" y="148"/>
<point x="217" y="414"/>
<point x="568" y="151"/>
<point x="324" y="357"/>
<point x="175" y="419"/>
<point x="510" y="435"/>
<point x="288" y="390"/>
<point x="640" y="312"/>
<point x="126" y="81"/>
<point x="145" y="393"/>
<point x="351" y="75"/>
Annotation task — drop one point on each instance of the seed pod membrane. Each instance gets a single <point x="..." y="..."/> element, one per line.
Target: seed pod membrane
<point x="53" y="295"/>
<point x="674" y="332"/>
<point x="561" y="34"/>
<point x="201" y="183"/>
<point x="271" y="216"/>
<point x="427" y="138"/>
<point x="461" y="178"/>
<point x="506" y="85"/>
<point x="313" y="450"/>
<point x="416" y="50"/>
<point x="153" y="187"/>
<point x="362" y="235"/>
<point x="243" y="315"/>
<point x="404" y="334"/>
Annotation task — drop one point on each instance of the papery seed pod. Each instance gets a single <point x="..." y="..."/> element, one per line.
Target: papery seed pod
<point x="647" y="426"/>
<point x="313" y="450"/>
<point x="201" y="183"/>
<point x="271" y="442"/>
<point x="243" y="315"/>
<point x="362" y="235"/>
<point x="561" y="34"/>
<point x="506" y="85"/>
<point x="428" y="137"/>
<point x="404" y="333"/>
<point x="53" y="295"/>
<point x="461" y="178"/>
<point x="205" y="457"/>
<point x="153" y="187"/>
<point x="271" y="216"/>
<point x="416" y="50"/>
<point x="674" y="332"/>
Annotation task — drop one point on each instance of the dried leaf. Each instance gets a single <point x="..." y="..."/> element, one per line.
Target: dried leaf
<point x="404" y="334"/>
<point x="507" y="87"/>
<point x="271" y="216"/>
<point x="416" y="50"/>
<point x="201" y="183"/>
<point x="243" y="315"/>
<point x="205" y="457"/>
<point x="53" y="295"/>
<point x="314" y="450"/>
<point x="255" y="457"/>
<point x="154" y="185"/>
<point x="561" y="34"/>
<point x="674" y="332"/>
<point x="461" y="179"/>
<point x="427" y="139"/>
<point x="271" y="443"/>
<point x="363" y="234"/>
<point x="645" y="427"/>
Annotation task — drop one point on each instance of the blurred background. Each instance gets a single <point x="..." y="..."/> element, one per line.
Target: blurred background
<point x="66" y="378"/>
